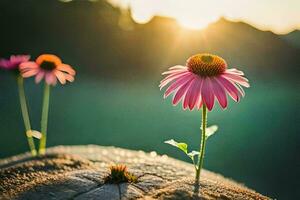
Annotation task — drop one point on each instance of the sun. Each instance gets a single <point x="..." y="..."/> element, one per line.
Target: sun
<point x="186" y="22"/>
<point x="141" y="17"/>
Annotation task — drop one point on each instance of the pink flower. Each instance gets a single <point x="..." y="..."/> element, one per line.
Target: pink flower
<point x="14" y="62"/>
<point x="50" y="67"/>
<point x="204" y="78"/>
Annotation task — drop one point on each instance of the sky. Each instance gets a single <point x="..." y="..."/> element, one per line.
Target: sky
<point x="279" y="16"/>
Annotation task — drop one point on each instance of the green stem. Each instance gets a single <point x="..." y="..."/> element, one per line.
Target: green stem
<point x="203" y="142"/>
<point x="25" y="114"/>
<point x="44" y="120"/>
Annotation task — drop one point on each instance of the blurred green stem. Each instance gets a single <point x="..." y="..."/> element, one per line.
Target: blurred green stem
<point x="25" y="114"/>
<point x="44" y="120"/>
<point x="202" y="143"/>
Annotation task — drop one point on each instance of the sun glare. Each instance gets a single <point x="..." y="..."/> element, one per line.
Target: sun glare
<point x="141" y="18"/>
<point x="195" y="24"/>
<point x="197" y="14"/>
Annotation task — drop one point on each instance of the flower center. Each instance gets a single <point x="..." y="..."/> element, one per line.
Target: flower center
<point x="206" y="65"/>
<point x="48" y="65"/>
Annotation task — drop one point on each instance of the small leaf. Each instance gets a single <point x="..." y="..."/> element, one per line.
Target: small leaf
<point x="193" y="153"/>
<point x="210" y="130"/>
<point x="182" y="146"/>
<point x="34" y="133"/>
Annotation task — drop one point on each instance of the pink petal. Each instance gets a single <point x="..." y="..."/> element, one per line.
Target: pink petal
<point x="199" y="102"/>
<point x="241" y="90"/>
<point x="28" y="65"/>
<point x="196" y="93"/>
<point x="237" y="78"/>
<point x="60" y="76"/>
<point x="181" y="92"/>
<point x="235" y="71"/>
<point x="173" y="74"/>
<point x="207" y="93"/>
<point x="219" y="92"/>
<point x="179" y="82"/>
<point x="27" y="70"/>
<point x="178" y="67"/>
<point x="39" y="76"/>
<point x="230" y="87"/>
<point x="187" y="98"/>
<point x="173" y="71"/>
<point x="6" y="64"/>
<point x="19" y="58"/>
<point x="69" y="77"/>
<point x="171" y="78"/>
<point x="50" y="78"/>
<point x="66" y="68"/>
<point x="30" y="73"/>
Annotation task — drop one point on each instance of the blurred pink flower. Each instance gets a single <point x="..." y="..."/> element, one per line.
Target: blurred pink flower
<point x="50" y="67"/>
<point x="13" y="62"/>
<point x="204" y="78"/>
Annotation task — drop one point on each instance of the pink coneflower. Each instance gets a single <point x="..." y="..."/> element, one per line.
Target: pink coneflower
<point x="13" y="62"/>
<point x="50" y="67"/>
<point x="204" y="78"/>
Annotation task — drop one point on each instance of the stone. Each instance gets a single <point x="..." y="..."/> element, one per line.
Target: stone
<point x="78" y="172"/>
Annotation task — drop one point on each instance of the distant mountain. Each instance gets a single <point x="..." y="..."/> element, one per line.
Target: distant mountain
<point x="262" y="53"/>
<point x="101" y="40"/>
<point x="293" y="38"/>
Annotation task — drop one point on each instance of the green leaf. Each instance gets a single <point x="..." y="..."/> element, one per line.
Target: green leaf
<point x="184" y="147"/>
<point x="210" y="130"/>
<point x="180" y="145"/>
<point x="34" y="133"/>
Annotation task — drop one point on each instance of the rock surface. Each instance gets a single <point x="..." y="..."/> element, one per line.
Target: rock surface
<point x="77" y="172"/>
